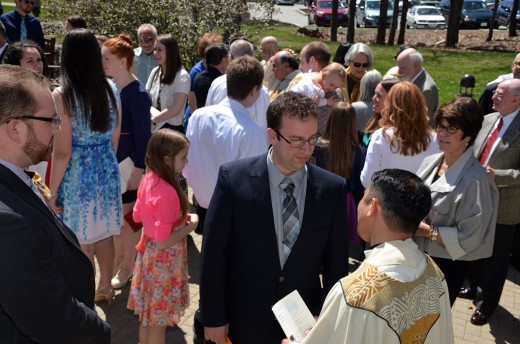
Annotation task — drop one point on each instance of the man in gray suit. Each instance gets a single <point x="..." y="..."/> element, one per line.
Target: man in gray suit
<point x="410" y="64"/>
<point x="497" y="146"/>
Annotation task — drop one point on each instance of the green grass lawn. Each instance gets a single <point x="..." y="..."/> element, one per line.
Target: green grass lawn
<point x="445" y="66"/>
<point x="7" y="8"/>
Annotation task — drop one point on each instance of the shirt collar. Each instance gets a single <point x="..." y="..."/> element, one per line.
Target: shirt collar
<point x="276" y="177"/>
<point x="19" y="171"/>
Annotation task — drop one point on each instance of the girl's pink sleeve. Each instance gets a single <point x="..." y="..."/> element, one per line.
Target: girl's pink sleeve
<point x="165" y="205"/>
<point x="136" y="213"/>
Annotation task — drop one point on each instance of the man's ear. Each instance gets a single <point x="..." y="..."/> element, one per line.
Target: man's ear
<point x="374" y="207"/>
<point x="271" y="134"/>
<point x="14" y="131"/>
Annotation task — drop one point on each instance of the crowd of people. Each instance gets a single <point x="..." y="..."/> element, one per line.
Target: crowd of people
<point x="295" y="163"/>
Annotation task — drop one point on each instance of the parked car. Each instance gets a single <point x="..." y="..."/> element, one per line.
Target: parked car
<point x="427" y="17"/>
<point x="320" y="13"/>
<point x="413" y="3"/>
<point x="490" y="3"/>
<point x="504" y="12"/>
<point x="284" y="2"/>
<point x="475" y="13"/>
<point x="368" y="11"/>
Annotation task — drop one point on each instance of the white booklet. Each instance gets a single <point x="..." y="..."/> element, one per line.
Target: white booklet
<point x="294" y="316"/>
<point x="126" y="167"/>
<point x="154" y="112"/>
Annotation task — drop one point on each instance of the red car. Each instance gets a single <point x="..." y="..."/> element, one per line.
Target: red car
<point x="320" y="13"/>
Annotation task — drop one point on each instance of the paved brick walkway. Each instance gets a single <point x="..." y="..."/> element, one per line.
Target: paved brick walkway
<point x="504" y="326"/>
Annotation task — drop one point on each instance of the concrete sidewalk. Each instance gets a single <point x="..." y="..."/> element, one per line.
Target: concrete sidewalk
<point x="504" y="326"/>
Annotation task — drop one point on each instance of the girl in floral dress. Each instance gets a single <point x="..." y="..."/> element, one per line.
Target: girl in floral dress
<point x="159" y="293"/>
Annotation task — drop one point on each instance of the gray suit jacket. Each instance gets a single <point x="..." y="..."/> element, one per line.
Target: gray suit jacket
<point x="465" y="202"/>
<point x="429" y="89"/>
<point x="505" y="160"/>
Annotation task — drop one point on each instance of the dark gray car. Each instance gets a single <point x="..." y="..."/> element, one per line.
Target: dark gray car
<point x="475" y="13"/>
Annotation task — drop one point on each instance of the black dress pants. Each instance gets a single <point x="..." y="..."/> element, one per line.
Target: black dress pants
<point x="492" y="271"/>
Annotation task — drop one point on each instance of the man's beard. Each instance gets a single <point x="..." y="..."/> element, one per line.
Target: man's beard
<point x="35" y="149"/>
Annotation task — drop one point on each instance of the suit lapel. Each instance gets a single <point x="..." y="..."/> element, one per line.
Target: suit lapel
<point x="489" y="121"/>
<point x="260" y="186"/>
<point x="18" y="187"/>
<point x="509" y="136"/>
<point x="419" y="81"/>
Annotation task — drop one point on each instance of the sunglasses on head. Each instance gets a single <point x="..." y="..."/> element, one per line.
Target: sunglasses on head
<point x="357" y="64"/>
<point x="146" y="39"/>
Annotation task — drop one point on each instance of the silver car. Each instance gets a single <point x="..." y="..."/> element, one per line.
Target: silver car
<point x="367" y="13"/>
<point x="426" y="17"/>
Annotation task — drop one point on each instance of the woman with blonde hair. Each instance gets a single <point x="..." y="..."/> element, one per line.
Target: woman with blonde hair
<point x="405" y="138"/>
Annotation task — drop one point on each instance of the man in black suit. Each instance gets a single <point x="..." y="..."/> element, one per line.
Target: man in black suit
<point x="273" y="225"/>
<point x="47" y="289"/>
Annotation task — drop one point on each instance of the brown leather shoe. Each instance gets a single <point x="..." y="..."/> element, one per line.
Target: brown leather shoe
<point x="466" y="293"/>
<point x="478" y="318"/>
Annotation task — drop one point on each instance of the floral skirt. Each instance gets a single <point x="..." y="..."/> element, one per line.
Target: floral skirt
<point x="159" y="293"/>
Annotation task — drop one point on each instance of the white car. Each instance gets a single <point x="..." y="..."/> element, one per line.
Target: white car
<point x="427" y="17"/>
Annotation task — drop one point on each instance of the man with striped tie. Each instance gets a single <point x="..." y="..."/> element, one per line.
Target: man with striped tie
<point x="273" y="225"/>
<point x="21" y="25"/>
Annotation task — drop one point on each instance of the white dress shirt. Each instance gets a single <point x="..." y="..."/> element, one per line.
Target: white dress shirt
<point x="218" y="91"/>
<point x="219" y="134"/>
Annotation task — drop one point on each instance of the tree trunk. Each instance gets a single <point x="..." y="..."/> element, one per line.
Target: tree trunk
<point x="402" y="23"/>
<point x="334" y="23"/>
<point x="381" y="29"/>
<point x="452" y="34"/>
<point x="492" y="22"/>
<point x="351" y="21"/>
<point x="393" y="26"/>
<point x="512" y="21"/>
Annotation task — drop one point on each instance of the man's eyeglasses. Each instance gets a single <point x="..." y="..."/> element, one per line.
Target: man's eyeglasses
<point x="56" y="121"/>
<point x="517" y="63"/>
<point x="357" y="64"/>
<point x="146" y="39"/>
<point x="28" y="2"/>
<point x="449" y="129"/>
<point x="299" y="143"/>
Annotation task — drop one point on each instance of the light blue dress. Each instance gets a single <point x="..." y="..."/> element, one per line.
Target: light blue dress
<point x="90" y="191"/>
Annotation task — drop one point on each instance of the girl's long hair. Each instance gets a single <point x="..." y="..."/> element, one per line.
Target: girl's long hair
<point x="406" y="113"/>
<point x="173" y="58"/>
<point x="163" y="143"/>
<point x="341" y="139"/>
<point x="83" y="83"/>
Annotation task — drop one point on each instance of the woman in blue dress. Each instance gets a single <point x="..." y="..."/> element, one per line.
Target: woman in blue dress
<point x="85" y="183"/>
<point x="118" y="55"/>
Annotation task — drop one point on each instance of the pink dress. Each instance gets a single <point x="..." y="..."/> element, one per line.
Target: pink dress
<point x="159" y="293"/>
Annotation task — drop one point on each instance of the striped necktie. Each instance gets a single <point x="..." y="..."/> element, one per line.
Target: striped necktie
<point x="23" y="30"/>
<point x="290" y="218"/>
